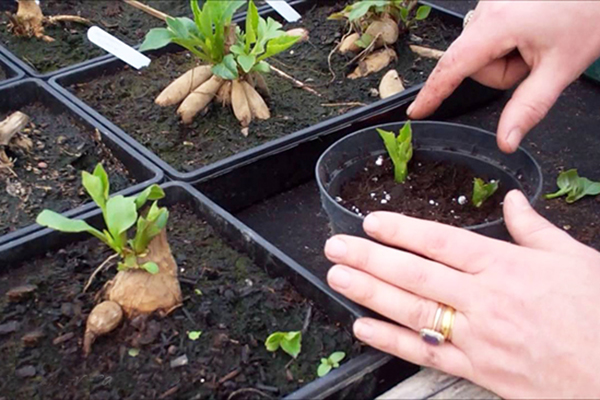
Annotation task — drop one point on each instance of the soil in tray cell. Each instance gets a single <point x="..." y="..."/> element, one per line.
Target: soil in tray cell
<point x="229" y="299"/>
<point x="432" y="191"/>
<point x="3" y="74"/>
<point x="49" y="175"/>
<point x="126" y="98"/>
<point x="71" y="45"/>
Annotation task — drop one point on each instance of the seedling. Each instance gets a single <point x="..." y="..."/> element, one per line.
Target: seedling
<point x="234" y="59"/>
<point x="400" y="150"/>
<point x="329" y="363"/>
<point x="290" y="342"/>
<point x="375" y="24"/>
<point x="120" y="214"/>
<point x="147" y="278"/>
<point x="194" y="335"/>
<point x="574" y="186"/>
<point x="133" y="352"/>
<point x="483" y="191"/>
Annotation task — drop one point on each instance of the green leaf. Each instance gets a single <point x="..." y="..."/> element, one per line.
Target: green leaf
<point x="423" y="12"/>
<point x="274" y="341"/>
<point x="198" y="292"/>
<point x="194" y="335"/>
<point x="55" y="221"/>
<point x="246" y="61"/>
<point x="399" y="149"/>
<point x="121" y="214"/>
<point x="337" y="356"/>
<point x="153" y="192"/>
<point x="404" y="14"/>
<point x="323" y="370"/>
<point x="483" y="191"/>
<point x="585" y="187"/>
<point x="359" y="10"/>
<point x="364" y="41"/>
<point x="227" y="69"/>
<point x="133" y="352"/>
<point x="262" y="67"/>
<point x="566" y="182"/>
<point x="237" y="49"/>
<point x="101" y="173"/>
<point x="95" y="188"/>
<point x="278" y="45"/>
<point x="178" y="27"/>
<point x="156" y="38"/>
<point x="292" y="343"/>
<point x="149" y="227"/>
<point x="151" y="267"/>
<point x="252" y="19"/>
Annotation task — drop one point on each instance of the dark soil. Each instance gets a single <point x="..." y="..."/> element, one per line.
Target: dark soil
<point x="239" y="306"/>
<point x="71" y="45"/>
<point x="50" y="175"/>
<point x="431" y="191"/>
<point x="3" y="74"/>
<point x="127" y="97"/>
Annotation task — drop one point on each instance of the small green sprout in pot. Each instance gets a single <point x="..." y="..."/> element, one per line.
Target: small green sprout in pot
<point x="289" y="342"/>
<point x="483" y="191"/>
<point x="234" y="60"/>
<point x="375" y="24"/>
<point x="573" y="186"/>
<point x="400" y="150"/>
<point x="146" y="281"/>
<point x="329" y="363"/>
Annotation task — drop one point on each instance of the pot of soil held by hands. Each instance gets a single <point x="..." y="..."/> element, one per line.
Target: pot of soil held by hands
<point x="450" y="173"/>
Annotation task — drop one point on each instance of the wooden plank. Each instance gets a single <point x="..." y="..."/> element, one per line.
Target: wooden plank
<point x="423" y="385"/>
<point x="464" y="390"/>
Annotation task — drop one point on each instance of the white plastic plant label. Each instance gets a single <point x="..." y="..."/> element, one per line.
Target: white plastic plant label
<point x="285" y="10"/>
<point x="117" y="48"/>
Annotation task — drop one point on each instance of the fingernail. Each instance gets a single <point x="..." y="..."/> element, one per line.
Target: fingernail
<point x="335" y="248"/>
<point x="518" y="199"/>
<point x="339" y="277"/>
<point x="410" y="109"/>
<point x="363" y="330"/>
<point x="371" y="224"/>
<point x="514" y="138"/>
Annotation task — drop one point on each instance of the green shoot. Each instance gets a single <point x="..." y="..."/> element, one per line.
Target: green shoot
<point x="194" y="335"/>
<point x="133" y="352"/>
<point x="120" y="214"/>
<point x="329" y="363"/>
<point x="363" y="12"/>
<point x="290" y="342"/>
<point x="213" y="38"/>
<point x="483" y="191"/>
<point x="575" y="187"/>
<point x="198" y="292"/>
<point x="400" y="150"/>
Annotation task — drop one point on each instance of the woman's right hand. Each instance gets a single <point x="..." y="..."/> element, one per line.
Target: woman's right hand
<point x="549" y="43"/>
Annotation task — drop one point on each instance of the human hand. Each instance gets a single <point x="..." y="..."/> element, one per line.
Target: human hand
<point x="502" y="43"/>
<point x="526" y="320"/>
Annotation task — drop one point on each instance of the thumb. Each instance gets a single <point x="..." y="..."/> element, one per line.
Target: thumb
<point x="529" y="105"/>
<point x="530" y="229"/>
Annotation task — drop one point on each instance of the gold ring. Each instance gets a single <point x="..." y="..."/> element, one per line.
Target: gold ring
<point x="433" y="335"/>
<point x="447" y="322"/>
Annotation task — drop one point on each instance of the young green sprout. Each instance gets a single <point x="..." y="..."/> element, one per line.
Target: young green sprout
<point x="120" y="214"/>
<point x="483" y="191"/>
<point x="290" y="342"/>
<point x="234" y="59"/>
<point x="329" y="363"/>
<point x="147" y="279"/>
<point x="574" y="187"/>
<point x="400" y="150"/>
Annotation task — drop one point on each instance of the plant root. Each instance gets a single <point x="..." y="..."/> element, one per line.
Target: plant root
<point x="303" y="33"/>
<point x="374" y="62"/>
<point x="147" y="9"/>
<point x="181" y="87"/>
<point x="136" y="292"/>
<point x="29" y="20"/>
<point x="258" y="107"/>
<point x="97" y="270"/>
<point x="11" y="125"/>
<point x="240" y="105"/>
<point x="224" y="94"/>
<point x="199" y="99"/>
<point x="296" y="82"/>
<point x="391" y="83"/>
<point x="426" y="52"/>
<point x="258" y="81"/>
<point x="348" y="44"/>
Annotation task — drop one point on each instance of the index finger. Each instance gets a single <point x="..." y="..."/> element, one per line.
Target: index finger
<point x="454" y="247"/>
<point x="475" y="48"/>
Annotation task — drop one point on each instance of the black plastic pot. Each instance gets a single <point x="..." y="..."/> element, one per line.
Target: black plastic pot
<point x="12" y="72"/>
<point x="19" y="94"/>
<point x="459" y="144"/>
<point x="362" y="377"/>
<point x="469" y="95"/>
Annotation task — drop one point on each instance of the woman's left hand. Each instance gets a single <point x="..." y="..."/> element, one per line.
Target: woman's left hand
<point x="527" y="322"/>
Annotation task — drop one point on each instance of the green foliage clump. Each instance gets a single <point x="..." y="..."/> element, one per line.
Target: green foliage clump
<point x="574" y="187"/>
<point x="400" y="150"/>
<point x="483" y="191"/>
<point x="329" y="363"/>
<point x="290" y="342"/>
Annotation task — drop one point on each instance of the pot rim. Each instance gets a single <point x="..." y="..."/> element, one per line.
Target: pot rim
<point x="532" y="199"/>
